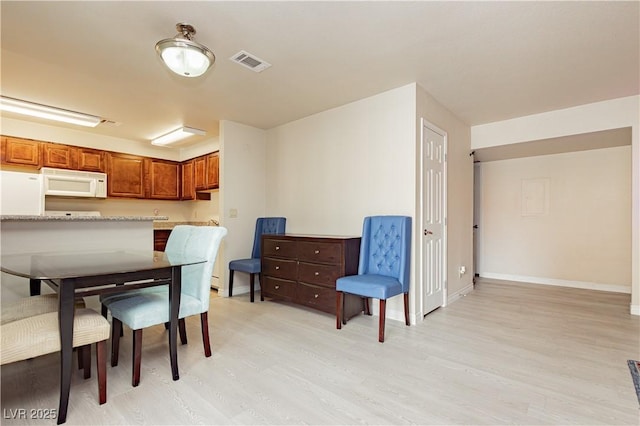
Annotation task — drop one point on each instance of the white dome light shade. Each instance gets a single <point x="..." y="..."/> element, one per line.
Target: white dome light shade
<point x="184" y="56"/>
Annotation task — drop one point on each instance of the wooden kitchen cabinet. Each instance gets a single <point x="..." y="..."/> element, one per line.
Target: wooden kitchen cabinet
<point x="304" y="269"/>
<point x="59" y="156"/>
<point x="188" y="186"/>
<point x="213" y="166"/>
<point x="127" y="175"/>
<point x="20" y="152"/>
<point x="164" y="179"/>
<point x="91" y="160"/>
<point x="160" y="238"/>
<point x="206" y="171"/>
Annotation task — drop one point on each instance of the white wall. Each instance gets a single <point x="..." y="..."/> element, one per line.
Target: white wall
<point x="612" y="114"/>
<point x="575" y="231"/>
<point x="459" y="192"/>
<point x="326" y="172"/>
<point x="243" y="188"/>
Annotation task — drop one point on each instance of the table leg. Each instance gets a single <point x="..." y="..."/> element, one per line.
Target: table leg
<point x="34" y="287"/>
<point x="174" y="302"/>
<point x="65" y="319"/>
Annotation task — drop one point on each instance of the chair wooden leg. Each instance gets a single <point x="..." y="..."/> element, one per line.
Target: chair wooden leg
<point x="101" y="366"/>
<point x="80" y="360"/>
<point x="367" y="308"/>
<point x="204" y="324"/>
<point x="137" y="357"/>
<point x="383" y="309"/>
<point x="339" y="299"/>
<point x="252" y="286"/>
<point x="85" y="352"/>
<point x="183" y="331"/>
<point x="261" y="295"/>
<point x="406" y="309"/>
<point x="104" y="310"/>
<point x="116" y="328"/>
<point x="230" y="282"/>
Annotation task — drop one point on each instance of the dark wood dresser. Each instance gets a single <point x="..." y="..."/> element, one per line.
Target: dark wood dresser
<point x="303" y="269"/>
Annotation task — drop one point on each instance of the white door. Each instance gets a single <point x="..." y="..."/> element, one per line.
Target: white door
<point x="433" y="246"/>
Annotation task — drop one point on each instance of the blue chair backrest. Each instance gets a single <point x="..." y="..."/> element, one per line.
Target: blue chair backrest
<point x="267" y="225"/>
<point x="385" y="248"/>
<point x="202" y="242"/>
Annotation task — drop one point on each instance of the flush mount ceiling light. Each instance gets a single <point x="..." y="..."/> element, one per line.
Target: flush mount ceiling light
<point x="50" y="113"/>
<point x="177" y="135"/>
<point x="184" y="56"/>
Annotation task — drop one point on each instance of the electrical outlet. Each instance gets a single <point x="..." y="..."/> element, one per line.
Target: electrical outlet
<point x="233" y="213"/>
<point x="463" y="270"/>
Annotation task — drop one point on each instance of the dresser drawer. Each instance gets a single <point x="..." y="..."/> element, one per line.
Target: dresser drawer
<point x="281" y="289"/>
<point x="280" y="268"/>
<point x="319" y="274"/>
<point x="321" y="298"/>
<point x="278" y="248"/>
<point x="320" y="252"/>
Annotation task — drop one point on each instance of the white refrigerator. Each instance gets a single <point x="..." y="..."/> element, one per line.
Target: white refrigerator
<point x="21" y="193"/>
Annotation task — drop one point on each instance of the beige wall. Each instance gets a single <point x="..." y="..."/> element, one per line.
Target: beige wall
<point x="612" y="114"/>
<point x="459" y="192"/>
<point x="560" y="219"/>
<point x="326" y="172"/>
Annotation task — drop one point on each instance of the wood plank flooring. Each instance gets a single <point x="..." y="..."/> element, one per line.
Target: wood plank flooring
<point x="506" y="353"/>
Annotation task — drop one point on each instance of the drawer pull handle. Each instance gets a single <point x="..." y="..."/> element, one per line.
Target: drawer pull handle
<point x="315" y="295"/>
<point x="277" y="287"/>
<point x="316" y="274"/>
<point x="277" y="247"/>
<point x="277" y="267"/>
<point x="317" y="251"/>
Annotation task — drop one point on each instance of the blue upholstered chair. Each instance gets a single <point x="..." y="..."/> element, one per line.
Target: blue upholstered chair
<point x="383" y="268"/>
<point x="150" y="306"/>
<point x="264" y="225"/>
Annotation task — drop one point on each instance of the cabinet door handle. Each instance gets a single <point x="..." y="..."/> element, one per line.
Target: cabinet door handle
<point x="277" y="287"/>
<point x="277" y="267"/>
<point x="315" y="295"/>
<point x="316" y="274"/>
<point x="277" y="247"/>
<point x="317" y="251"/>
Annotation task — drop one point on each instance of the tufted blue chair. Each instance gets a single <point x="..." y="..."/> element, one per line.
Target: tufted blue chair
<point x="264" y="225"/>
<point x="150" y="306"/>
<point x="383" y="268"/>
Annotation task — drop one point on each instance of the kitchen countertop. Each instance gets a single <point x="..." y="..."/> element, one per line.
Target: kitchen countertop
<point x="82" y="218"/>
<point x="171" y="225"/>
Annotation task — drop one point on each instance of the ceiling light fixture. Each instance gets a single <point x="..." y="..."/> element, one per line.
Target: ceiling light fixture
<point x="176" y="135"/>
<point x="50" y="113"/>
<point x="184" y="56"/>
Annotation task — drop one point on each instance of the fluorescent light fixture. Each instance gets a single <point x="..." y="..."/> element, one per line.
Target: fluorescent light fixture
<point x="49" y="113"/>
<point x="176" y="135"/>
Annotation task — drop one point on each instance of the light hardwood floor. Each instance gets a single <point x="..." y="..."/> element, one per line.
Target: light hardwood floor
<point x="504" y="354"/>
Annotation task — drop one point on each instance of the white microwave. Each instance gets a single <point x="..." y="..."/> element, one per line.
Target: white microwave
<point x="73" y="183"/>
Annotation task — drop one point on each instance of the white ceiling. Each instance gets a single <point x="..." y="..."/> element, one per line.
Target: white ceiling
<point x="484" y="61"/>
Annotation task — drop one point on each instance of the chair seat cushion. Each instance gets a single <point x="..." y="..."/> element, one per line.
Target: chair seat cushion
<point x="39" y="335"/>
<point x="31" y="306"/>
<point x="251" y="266"/>
<point x="369" y="285"/>
<point x="144" y="309"/>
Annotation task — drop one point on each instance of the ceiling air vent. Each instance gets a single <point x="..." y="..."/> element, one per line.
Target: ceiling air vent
<point x="250" y="61"/>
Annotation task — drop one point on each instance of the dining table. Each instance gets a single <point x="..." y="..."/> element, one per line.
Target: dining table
<point x="75" y="275"/>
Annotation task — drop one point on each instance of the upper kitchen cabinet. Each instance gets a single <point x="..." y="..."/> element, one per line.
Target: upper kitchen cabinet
<point x="206" y="174"/>
<point x="164" y="179"/>
<point x="188" y="187"/>
<point x="126" y="175"/>
<point x="20" y="152"/>
<point x="91" y="160"/>
<point x="59" y="156"/>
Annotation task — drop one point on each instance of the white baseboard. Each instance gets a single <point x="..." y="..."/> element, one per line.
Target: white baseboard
<point x="615" y="288"/>
<point x="635" y="310"/>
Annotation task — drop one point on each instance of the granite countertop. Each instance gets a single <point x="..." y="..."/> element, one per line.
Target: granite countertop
<point x="171" y="225"/>
<point x="82" y="218"/>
